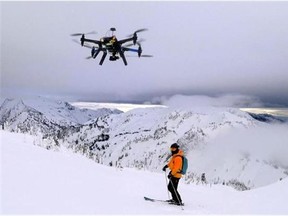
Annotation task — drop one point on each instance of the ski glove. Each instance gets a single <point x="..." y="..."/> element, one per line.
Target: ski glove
<point x="164" y="168"/>
<point x="169" y="175"/>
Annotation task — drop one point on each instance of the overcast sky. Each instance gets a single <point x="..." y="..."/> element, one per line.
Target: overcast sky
<point x="199" y="48"/>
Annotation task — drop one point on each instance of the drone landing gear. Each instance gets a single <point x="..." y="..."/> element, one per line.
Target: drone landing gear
<point x="103" y="57"/>
<point x="123" y="57"/>
<point x="95" y="52"/>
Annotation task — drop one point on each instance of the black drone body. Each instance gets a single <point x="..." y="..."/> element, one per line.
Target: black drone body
<point x="112" y="45"/>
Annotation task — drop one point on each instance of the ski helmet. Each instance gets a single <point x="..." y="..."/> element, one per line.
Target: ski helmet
<point x="174" y="148"/>
<point x="174" y="145"/>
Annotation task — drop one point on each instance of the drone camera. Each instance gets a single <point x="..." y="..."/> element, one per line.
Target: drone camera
<point x="113" y="58"/>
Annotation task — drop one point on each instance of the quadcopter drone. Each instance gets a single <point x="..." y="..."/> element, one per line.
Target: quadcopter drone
<point x="111" y="45"/>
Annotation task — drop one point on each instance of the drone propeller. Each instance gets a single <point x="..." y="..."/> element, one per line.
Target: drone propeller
<point x="141" y="30"/>
<point x="134" y="35"/>
<point x="139" y="50"/>
<point x="137" y="31"/>
<point x="146" y="56"/>
<point x="85" y="45"/>
<point x="79" y="34"/>
<point x="139" y="41"/>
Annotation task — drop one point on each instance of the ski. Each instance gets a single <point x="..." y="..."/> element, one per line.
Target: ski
<point x="163" y="201"/>
<point x="155" y="200"/>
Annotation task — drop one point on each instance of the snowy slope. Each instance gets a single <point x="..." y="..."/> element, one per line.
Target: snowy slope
<point x="64" y="112"/>
<point x="17" y="116"/>
<point x="30" y="114"/>
<point x="228" y="145"/>
<point x="37" y="181"/>
<point x="210" y="137"/>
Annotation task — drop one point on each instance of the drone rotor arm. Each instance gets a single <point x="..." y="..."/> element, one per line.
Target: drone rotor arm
<point x="130" y="49"/>
<point x="84" y="45"/>
<point x="125" y="40"/>
<point x="139" y="50"/>
<point x="91" y="41"/>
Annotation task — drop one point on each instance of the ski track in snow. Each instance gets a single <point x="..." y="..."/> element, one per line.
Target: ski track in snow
<point x="37" y="181"/>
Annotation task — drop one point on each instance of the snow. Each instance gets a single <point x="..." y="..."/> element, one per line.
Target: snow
<point x="226" y="144"/>
<point x="58" y="111"/>
<point x="37" y="181"/>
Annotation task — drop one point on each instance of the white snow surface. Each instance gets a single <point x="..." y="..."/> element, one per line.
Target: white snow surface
<point x="38" y="181"/>
<point x="226" y="144"/>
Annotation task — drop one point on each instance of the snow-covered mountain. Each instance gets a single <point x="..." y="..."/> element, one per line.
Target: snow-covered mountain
<point x="37" y="181"/>
<point x="212" y="139"/>
<point x="44" y="115"/>
<point x="141" y="138"/>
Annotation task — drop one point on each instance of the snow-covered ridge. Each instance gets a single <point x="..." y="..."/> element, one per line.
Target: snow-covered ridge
<point x="36" y="181"/>
<point x="15" y="112"/>
<point x="141" y="138"/>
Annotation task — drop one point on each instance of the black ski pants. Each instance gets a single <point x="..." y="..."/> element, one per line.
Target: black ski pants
<point x="172" y="187"/>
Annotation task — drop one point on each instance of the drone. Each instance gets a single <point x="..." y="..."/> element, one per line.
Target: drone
<point x="111" y="45"/>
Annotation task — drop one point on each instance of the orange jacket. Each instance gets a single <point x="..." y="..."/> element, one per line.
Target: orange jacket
<point x="175" y="164"/>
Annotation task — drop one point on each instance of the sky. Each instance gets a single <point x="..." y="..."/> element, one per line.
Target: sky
<point x="206" y="48"/>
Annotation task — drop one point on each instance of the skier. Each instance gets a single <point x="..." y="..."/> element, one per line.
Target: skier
<point x="175" y="165"/>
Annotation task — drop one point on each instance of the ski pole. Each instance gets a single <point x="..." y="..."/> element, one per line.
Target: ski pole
<point x="167" y="185"/>
<point x="176" y="194"/>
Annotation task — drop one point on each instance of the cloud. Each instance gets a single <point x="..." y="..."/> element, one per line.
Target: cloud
<point x="229" y="100"/>
<point x="267" y="142"/>
<point x="218" y="51"/>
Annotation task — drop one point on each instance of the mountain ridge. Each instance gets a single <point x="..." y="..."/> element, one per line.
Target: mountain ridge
<point x="140" y="138"/>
